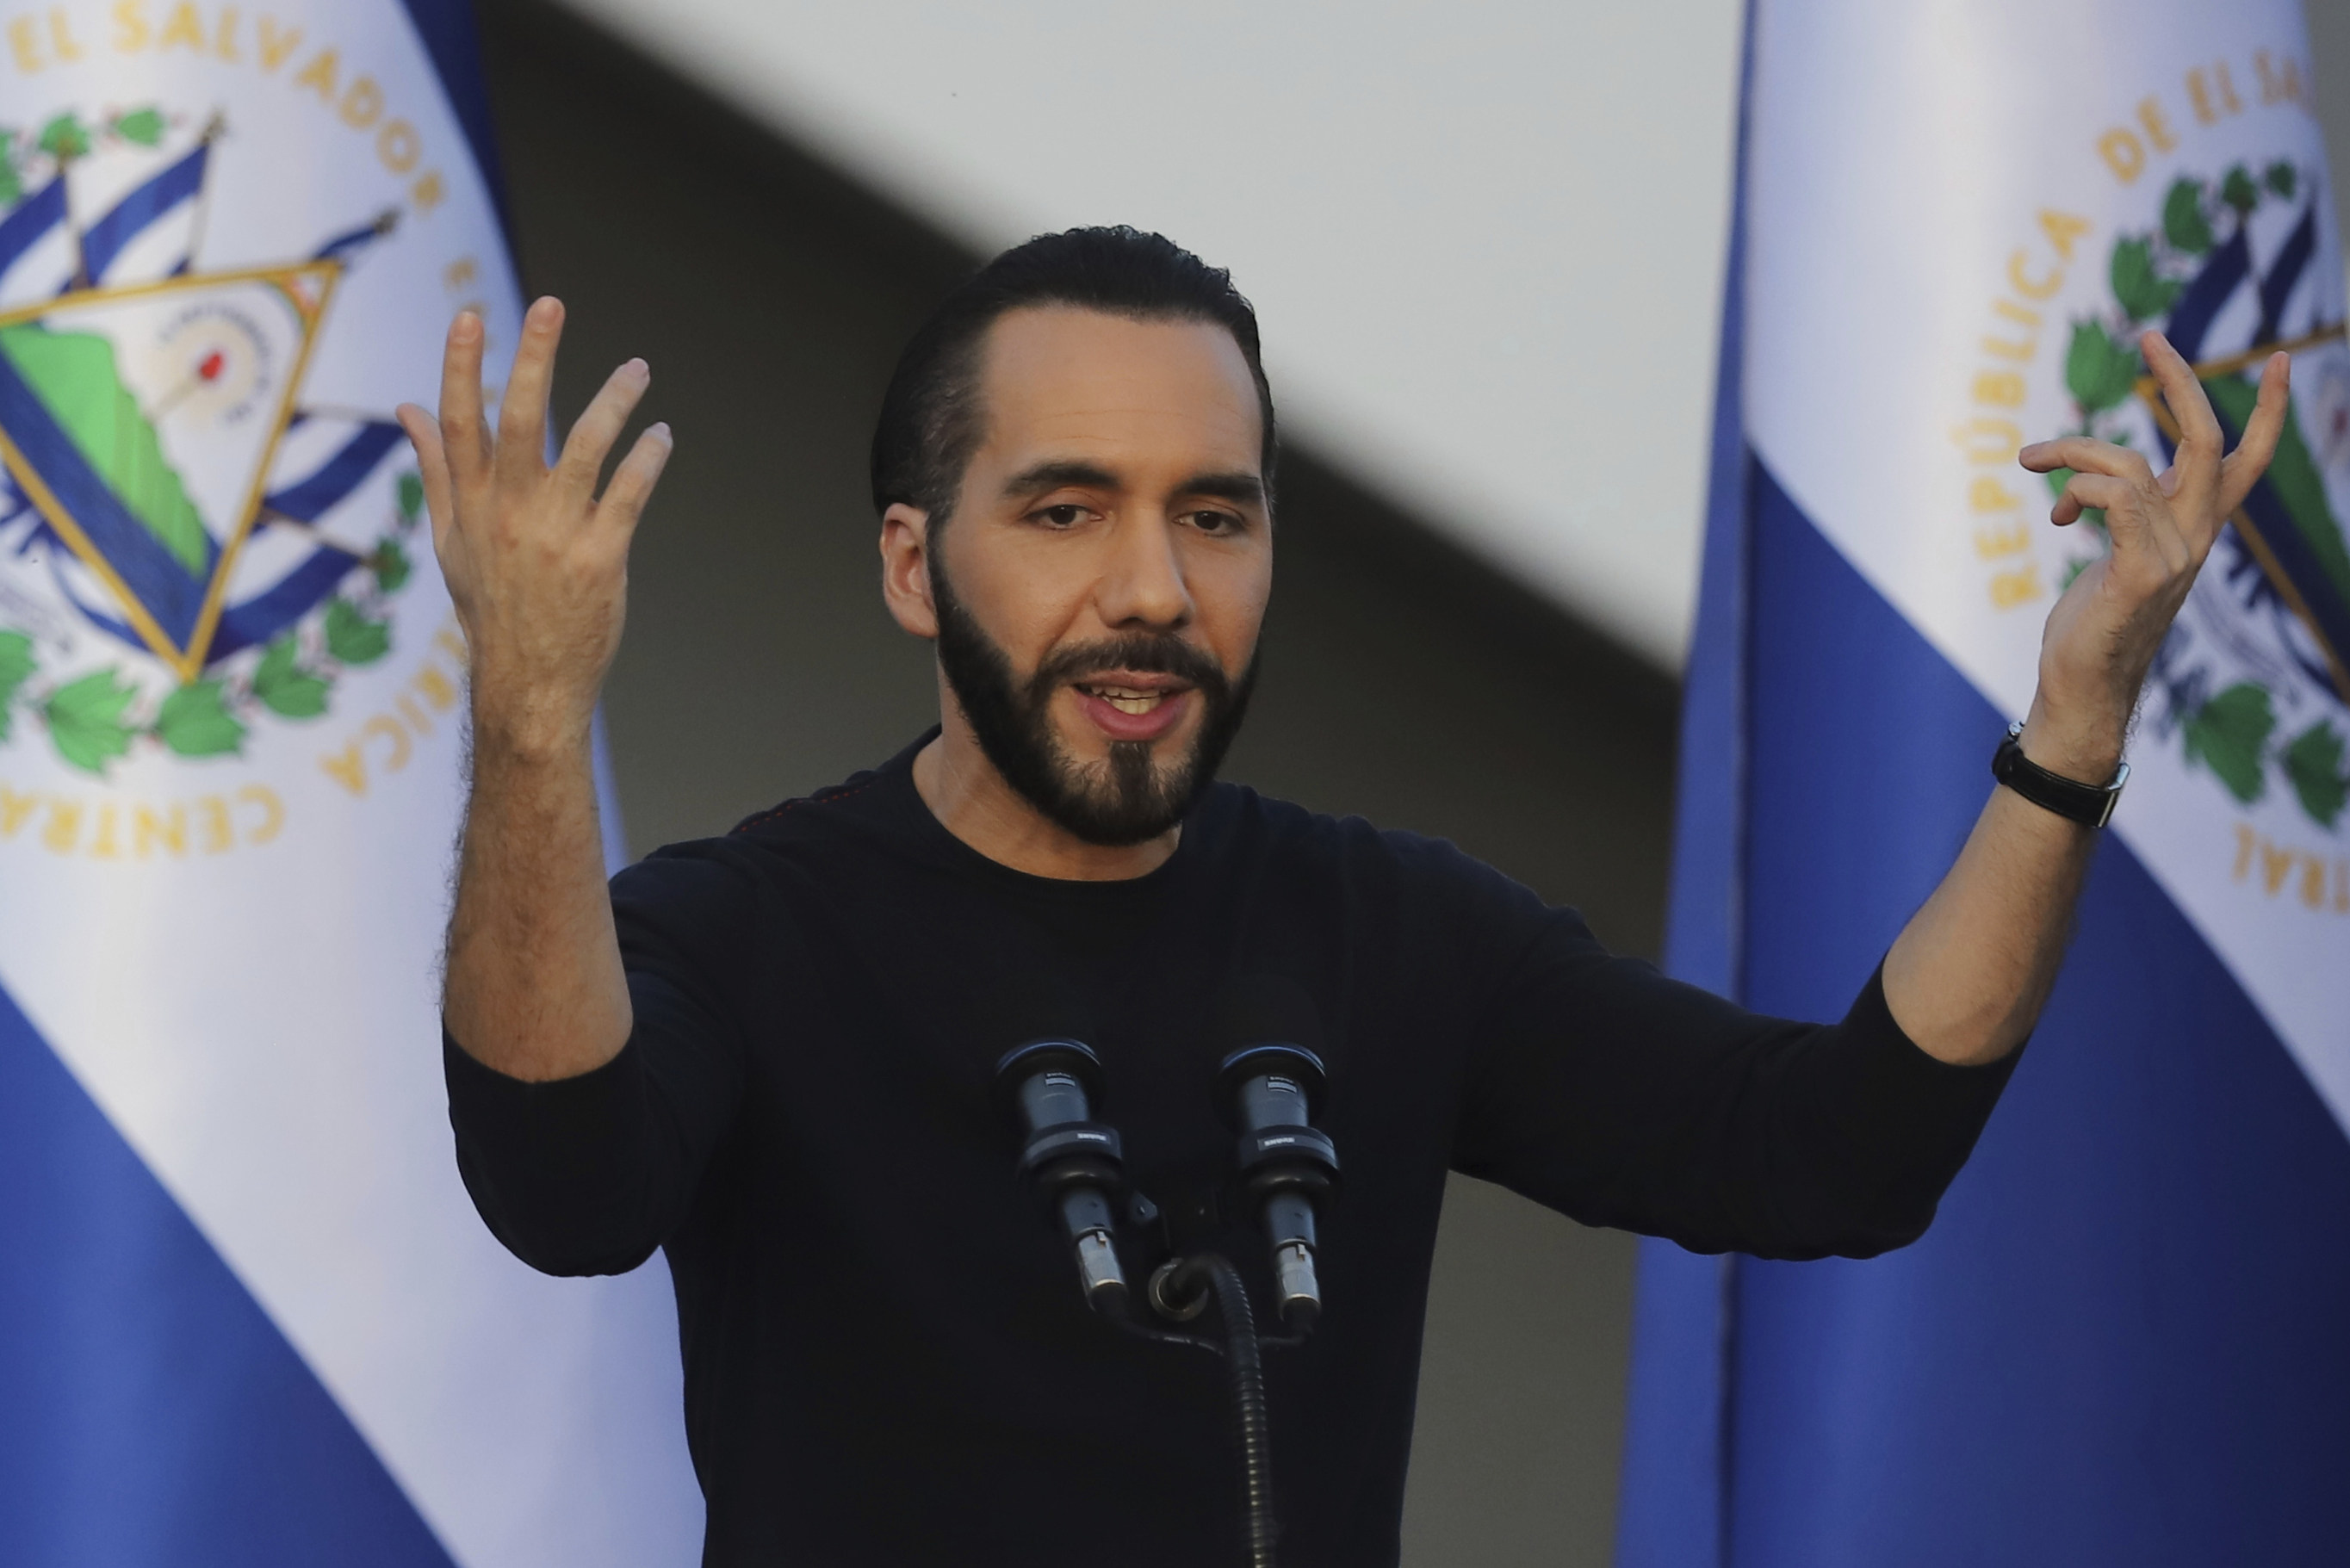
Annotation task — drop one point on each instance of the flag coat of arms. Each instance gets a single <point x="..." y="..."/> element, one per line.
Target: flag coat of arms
<point x="2123" y="1339"/>
<point x="246" y="1312"/>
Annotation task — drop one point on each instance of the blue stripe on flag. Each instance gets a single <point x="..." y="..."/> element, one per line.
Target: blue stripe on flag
<point x="167" y="590"/>
<point x="29" y="220"/>
<point x="2122" y="1340"/>
<point x="155" y="1414"/>
<point x="308" y="499"/>
<point x="2321" y="592"/>
<point x="2207" y="292"/>
<point x="342" y="247"/>
<point x="2291" y="261"/>
<point x="284" y="602"/>
<point x="2302" y="566"/>
<point x="107" y="238"/>
<point x="58" y="556"/>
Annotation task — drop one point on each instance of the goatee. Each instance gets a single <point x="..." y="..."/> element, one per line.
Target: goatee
<point x="1130" y="796"/>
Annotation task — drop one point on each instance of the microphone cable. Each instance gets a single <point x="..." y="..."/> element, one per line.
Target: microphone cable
<point x="1188" y="1282"/>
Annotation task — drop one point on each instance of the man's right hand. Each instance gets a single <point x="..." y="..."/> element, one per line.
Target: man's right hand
<point x="537" y="565"/>
<point x="539" y="569"/>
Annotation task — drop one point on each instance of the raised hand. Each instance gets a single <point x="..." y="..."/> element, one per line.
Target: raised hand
<point x="536" y="562"/>
<point x="2103" y="634"/>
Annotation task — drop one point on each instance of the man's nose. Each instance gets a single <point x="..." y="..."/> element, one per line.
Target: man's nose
<point x="1142" y="581"/>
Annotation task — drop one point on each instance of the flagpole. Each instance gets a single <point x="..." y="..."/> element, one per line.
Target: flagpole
<point x="73" y="228"/>
<point x="204" y="191"/>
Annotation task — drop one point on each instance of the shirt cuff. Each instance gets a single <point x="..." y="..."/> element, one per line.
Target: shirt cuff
<point x="1908" y="1099"/>
<point x="552" y="1133"/>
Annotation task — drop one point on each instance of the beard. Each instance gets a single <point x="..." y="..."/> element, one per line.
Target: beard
<point x="1132" y="794"/>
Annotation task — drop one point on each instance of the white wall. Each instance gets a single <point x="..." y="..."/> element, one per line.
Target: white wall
<point x="1484" y="238"/>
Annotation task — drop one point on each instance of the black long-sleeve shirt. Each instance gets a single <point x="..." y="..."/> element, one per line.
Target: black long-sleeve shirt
<point x="887" y="1357"/>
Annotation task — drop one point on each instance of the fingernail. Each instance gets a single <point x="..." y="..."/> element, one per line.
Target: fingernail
<point x="467" y="324"/>
<point x="660" y="429"/>
<point x="638" y="369"/>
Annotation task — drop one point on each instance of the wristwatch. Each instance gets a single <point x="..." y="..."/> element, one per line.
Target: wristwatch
<point x="2092" y="805"/>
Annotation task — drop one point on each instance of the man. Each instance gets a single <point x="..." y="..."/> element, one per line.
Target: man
<point x="770" y="1053"/>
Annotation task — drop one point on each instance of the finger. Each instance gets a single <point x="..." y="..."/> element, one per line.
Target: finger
<point x="2086" y="490"/>
<point x="2245" y="466"/>
<point x="592" y="436"/>
<point x="431" y="466"/>
<point x="2085" y="455"/>
<point x="464" y="435"/>
<point x="522" y="412"/>
<point x="633" y="481"/>
<point x="2200" y="440"/>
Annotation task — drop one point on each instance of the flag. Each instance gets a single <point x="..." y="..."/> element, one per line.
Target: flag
<point x="247" y="1314"/>
<point x="2122" y="1340"/>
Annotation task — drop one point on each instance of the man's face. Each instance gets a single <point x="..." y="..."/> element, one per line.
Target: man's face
<point x="1101" y="583"/>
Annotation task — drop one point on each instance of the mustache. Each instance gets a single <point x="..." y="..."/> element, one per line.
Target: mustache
<point x="1147" y="652"/>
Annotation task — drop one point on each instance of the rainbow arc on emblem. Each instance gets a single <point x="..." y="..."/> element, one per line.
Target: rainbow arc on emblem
<point x="149" y="415"/>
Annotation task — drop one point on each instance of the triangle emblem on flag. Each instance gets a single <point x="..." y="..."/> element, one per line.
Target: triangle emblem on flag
<point x="142" y="423"/>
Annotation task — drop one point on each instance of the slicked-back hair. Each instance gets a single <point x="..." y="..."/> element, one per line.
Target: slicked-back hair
<point x="932" y="420"/>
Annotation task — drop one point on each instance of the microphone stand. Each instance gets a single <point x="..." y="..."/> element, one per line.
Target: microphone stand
<point x="1209" y="1274"/>
<point x="1048" y="1087"/>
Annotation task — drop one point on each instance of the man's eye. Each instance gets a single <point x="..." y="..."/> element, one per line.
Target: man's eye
<point x="1215" y="521"/>
<point x="1063" y="516"/>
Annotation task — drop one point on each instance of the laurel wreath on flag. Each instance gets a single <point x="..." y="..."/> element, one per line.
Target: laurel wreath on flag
<point x="96" y="717"/>
<point x="65" y="137"/>
<point x="2231" y="732"/>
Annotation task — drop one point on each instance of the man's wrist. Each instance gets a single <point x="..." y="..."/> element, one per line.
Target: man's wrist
<point x="2086" y="749"/>
<point x="528" y="729"/>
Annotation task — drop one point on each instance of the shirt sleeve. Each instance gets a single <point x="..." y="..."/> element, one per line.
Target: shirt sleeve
<point x="1621" y="1097"/>
<point x="589" y="1175"/>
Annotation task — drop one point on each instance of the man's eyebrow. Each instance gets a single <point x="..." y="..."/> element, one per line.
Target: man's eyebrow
<point x="1242" y="488"/>
<point x="1055" y="473"/>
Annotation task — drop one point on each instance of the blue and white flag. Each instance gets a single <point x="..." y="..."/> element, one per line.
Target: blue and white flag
<point x="2127" y="1338"/>
<point x="247" y="1314"/>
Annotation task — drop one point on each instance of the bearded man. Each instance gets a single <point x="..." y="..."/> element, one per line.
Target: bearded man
<point x="769" y="1054"/>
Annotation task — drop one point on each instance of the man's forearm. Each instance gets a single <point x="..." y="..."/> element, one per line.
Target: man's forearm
<point x="537" y="565"/>
<point x="1973" y="967"/>
<point x="1971" y="971"/>
<point x="535" y="989"/>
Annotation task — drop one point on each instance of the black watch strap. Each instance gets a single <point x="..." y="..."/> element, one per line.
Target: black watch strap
<point x="2092" y="805"/>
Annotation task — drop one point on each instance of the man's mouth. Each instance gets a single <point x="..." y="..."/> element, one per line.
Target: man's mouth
<point x="1133" y="705"/>
<point x="1125" y="699"/>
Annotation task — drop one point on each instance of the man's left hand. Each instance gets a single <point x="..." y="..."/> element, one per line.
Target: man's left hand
<point x="2103" y="634"/>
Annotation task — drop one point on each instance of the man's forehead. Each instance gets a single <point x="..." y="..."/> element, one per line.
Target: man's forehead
<point x="1059" y="374"/>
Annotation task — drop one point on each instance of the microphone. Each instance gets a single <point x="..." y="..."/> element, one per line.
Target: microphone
<point x="1047" y="1087"/>
<point x="1270" y="1084"/>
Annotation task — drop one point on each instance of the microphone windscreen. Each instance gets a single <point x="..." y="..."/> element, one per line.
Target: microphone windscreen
<point x="1257" y="1008"/>
<point x="1020" y="1004"/>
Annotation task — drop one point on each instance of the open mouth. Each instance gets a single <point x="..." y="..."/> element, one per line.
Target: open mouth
<point x="1126" y="699"/>
<point x="1132" y="706"/>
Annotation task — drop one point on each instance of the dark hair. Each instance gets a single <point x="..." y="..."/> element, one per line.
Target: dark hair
<point x="930" y="422"/>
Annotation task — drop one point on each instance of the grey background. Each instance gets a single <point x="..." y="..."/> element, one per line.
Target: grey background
<point x="1403" y="681"/>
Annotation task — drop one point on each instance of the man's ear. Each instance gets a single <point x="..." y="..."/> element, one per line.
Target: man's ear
<point x="906" y="569"/>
